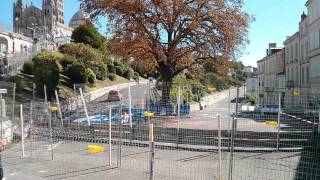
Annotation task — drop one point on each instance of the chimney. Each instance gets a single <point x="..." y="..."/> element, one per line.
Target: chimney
<point x="267" y="52"/>
<point x="303" y="16"/>
<point x="272" y="45"/>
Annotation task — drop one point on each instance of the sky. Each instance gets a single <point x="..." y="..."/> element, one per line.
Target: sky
<point x="274" y="21"/>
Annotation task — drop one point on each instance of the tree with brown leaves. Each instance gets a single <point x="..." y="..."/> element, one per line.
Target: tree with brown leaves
<point x="173" y="34"/>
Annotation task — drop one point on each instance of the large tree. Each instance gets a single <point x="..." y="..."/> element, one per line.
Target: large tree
<point x="173" y="34"/>
<point x="88" y="34"/>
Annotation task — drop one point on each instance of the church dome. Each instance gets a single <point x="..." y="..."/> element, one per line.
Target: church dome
<point x="78" y="19"/>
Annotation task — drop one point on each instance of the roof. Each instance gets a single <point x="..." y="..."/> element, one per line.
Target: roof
<point x="294" y="36"/>
<point x="77" y="19"/>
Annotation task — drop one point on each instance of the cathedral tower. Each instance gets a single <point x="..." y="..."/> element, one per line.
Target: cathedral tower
<point x="18" y="16"/>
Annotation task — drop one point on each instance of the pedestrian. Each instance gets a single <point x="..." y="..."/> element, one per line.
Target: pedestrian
<point x="2" y="144"/>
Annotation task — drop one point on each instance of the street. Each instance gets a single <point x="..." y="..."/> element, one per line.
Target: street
<point x="71" y="160"/>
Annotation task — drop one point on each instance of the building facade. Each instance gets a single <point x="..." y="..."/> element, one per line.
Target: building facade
<point x="269" y="69"/>
<point x="13" y="43"/>
<point x="313" y="35"/>
<point x="252" y="86"/>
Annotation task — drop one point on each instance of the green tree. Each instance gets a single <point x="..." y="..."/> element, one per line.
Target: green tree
<point x="46" y="71"/>
<point x="88" y="34"/>
<point x="77" y="73"/>
<point x="87" y="56"/>
<point x="28" y="67"/>
<point x="67" y="60"/>
<point x="91" y="76"/>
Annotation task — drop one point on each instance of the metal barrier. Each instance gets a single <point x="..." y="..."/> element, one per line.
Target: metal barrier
<point x="136" y="139"/>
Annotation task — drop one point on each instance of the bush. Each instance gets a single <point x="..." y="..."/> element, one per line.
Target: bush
<point x="102" y="72"/>
<point x="91" y="76"/>
<point x="28" y="67"/>
<point x="67" y="60"/>
<point x="135" y="76"/>
<point x="112" y="76"/>
<point x="119" y="70"/>
<point x="46" y="71"/>
<point x="85" y="55"/>
<point x="111" y="68"/>
<point x="119" y="63"/>
<point x="128" y="73"/>
<point x="77" y="73"/>
<point x="216" y="80"/>
<point x="20" y="83"/>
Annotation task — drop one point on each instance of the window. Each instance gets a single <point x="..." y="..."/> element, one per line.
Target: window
<point x="319" y="38"/>
<point x="296" y="51"/>
<point x="288" y="74"/>
<point x="292" y="75"/>
<point x="307" y="74"/>
<point x="306" y="50"/>
<point x="302" y="53"/>
<point x="291" y="56"/>
<point x="302" y="75"/>
<point x="297" y="75"/>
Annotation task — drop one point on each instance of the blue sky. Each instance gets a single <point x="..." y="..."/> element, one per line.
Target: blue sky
<point x="275" y="19"/>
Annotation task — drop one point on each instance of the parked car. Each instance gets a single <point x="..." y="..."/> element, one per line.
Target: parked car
<point x="114" y="95"/>
<point x="270" y="109"/>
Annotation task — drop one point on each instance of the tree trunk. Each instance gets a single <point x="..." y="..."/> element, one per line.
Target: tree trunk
<point x="166" y="87"/>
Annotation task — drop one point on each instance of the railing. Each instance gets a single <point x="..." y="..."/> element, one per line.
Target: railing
<point x="10" y="65"/>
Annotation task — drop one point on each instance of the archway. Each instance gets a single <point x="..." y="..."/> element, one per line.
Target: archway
<point x="3" y="45"/>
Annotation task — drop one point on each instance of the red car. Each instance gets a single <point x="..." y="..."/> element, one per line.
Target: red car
<point x="114" y="95"/>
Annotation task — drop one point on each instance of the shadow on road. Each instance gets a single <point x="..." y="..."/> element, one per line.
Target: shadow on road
<point x="309" y="164"/>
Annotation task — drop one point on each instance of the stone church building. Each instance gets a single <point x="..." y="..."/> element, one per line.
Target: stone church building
<point x="45" y="23"/>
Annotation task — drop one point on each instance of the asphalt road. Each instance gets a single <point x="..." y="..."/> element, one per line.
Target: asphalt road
<point x="137" y="94"/>
<point x="71" y="160"/>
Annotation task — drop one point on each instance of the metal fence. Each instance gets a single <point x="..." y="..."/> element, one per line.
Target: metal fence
<point x="143" y="137"/>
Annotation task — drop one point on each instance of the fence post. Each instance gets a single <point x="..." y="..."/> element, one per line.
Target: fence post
<point x="59" y="107"/>
<point x="130" y="113"/>
<point x="50" y="128"/>
<point x="119" y="138"/>
<point x="45" y="95"/>
<point x="33" y="91"/>
<point x="279" y="116"/>
<point x="110" y="143"/>
<point x="178" y="114"/>
<point x="31" y="127"/>
<point x="13" y="106"/>
<point x="2" y="108"/>
<point x="234" y="127"/>
<point x="229" y="116"/>
<point x="22" y="133"/>
<point x="319" y="123"/>
<point x="219" y="149"/>
<point x="84" y="106"/>
<point x="151" y="146"/>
